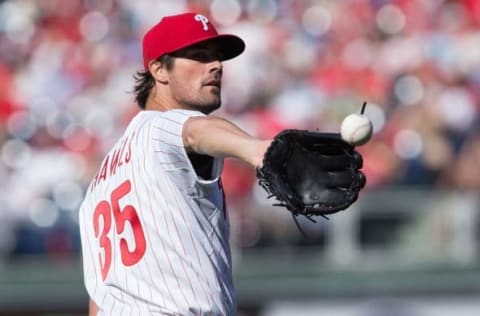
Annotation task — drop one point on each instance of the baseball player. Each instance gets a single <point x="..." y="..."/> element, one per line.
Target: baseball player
<point x="154" y="230"/>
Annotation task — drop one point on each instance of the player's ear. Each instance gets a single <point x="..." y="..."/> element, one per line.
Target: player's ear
<point x="158" y="71"/>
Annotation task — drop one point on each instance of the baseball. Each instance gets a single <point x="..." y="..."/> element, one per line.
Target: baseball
<point x="356" y="129"/>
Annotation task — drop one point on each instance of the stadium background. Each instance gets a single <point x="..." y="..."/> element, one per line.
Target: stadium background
<point x="410" y="246"/>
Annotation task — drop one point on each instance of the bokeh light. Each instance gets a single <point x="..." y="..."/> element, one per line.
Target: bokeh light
<point x="43" y="213"/>
<point x="21" y="124"/>
<point x="17" y="21"/>
<point x="390" y="19"/>
<point x="58" y="122"/>
<point x="99" y="122"/>
<point x="16" y="153"/>
<point x="262" y="11"/>
<point x="357" y="54"/>
<point x="316" y="20"/>
<point x="457" y="108"/>
<point x="76" y="137"/>
<point x="409" y="90"/>
<point x="408" y="144"/>
<point x="225" y="12"/>
<point x="94" y="26"/>
<point x="377" y="115"/>
<point x="67" y="195"/>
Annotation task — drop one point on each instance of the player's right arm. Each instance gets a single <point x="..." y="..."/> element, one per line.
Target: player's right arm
<point x="92" y="308"/>
<point x="218" y="137"/>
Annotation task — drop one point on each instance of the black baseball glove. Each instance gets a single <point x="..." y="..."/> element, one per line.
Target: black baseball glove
<point x="311" y="173"/>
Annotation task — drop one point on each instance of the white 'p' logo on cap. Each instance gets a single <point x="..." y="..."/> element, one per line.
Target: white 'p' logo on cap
<point x="203" y="19"/>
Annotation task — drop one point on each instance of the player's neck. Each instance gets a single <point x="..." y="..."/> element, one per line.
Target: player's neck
<point x="159" y="102"/>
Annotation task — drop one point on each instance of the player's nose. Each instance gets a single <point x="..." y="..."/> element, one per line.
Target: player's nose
<point x="215" y="69"/>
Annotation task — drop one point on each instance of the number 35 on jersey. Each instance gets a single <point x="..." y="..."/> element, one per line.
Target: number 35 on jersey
<point x="114" y="220"/>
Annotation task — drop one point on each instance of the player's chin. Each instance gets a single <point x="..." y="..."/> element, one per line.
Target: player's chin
<point x="215" y="90"/>
<point x="214" y="98"/>
<point x="209" y="106"/>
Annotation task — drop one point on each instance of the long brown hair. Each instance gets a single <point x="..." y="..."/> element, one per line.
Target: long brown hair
<point x="144" y="81"/>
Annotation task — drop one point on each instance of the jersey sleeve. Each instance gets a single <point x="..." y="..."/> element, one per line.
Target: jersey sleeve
<point x="168" y="127"/>
<point x="169" y="151"/>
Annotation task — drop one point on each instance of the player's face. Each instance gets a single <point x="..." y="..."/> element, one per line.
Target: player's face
<point x="195" y="79"/>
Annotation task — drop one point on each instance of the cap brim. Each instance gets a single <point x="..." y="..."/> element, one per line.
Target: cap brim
<point x="230" y="45"/>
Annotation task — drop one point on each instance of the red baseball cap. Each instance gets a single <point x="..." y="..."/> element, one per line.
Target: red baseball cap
<point x="175" y="32"/>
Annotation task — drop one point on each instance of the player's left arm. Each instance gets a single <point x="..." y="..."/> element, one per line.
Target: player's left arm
<point x="218" y="137"/>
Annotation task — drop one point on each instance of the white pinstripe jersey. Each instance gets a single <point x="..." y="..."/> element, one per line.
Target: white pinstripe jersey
<point x="154" y="234"/>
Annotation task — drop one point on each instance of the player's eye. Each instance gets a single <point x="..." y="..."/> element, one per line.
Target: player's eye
<point x="200" y="56"/>
<point x="203" y="56"/>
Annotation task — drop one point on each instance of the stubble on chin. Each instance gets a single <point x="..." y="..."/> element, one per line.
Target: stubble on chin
<point x="207" y="109"/>
<point x="207" y="106"/>
<point x="212" y="102"/>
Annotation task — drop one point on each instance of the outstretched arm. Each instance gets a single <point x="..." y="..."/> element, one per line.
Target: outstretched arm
<point x="218" y="137"/>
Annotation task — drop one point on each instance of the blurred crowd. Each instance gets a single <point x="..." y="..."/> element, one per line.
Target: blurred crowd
<point x="66" y="81"/>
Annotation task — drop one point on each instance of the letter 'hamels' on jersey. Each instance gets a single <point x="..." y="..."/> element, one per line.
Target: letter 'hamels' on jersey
<point x="121" y="155"/>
